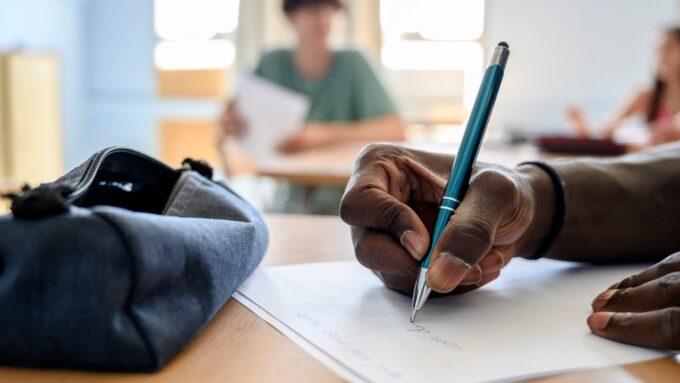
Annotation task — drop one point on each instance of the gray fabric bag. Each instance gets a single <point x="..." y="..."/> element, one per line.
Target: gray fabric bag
<point x="120" y="263"/>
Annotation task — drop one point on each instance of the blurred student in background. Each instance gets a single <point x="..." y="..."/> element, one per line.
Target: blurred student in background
<point x="348" y="100"/>
<point x="658" y="105"/>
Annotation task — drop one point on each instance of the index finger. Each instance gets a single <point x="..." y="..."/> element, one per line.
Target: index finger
<point x="377" y="193"/>
<point x="668" y="265"/>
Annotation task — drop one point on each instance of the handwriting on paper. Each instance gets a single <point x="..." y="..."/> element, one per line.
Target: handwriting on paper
<point x="350" y="348"/>
<point x="362" y="330"/>
<point x="356" y="352"/>
<point x="418" y="329"/>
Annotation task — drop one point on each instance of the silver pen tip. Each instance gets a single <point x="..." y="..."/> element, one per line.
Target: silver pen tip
<point x="414" y="312"/>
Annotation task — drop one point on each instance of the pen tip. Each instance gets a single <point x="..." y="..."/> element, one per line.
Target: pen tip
<point x="504" y="44"/>
<point x="413" y="315"/>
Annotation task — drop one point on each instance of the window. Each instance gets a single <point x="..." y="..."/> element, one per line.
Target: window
<point x="435" y="35"/>
<point x="193" y="34"/>
<point x="194" y="55"/>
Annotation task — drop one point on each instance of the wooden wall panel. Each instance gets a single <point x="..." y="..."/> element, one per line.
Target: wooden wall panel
<point x="4" y="134"/>
<point x="197" y="139"/>
<point x="192" y="83"/>
<point x="32" y="126"/>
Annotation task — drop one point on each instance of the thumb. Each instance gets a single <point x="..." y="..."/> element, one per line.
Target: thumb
<point x="472" y="230"/>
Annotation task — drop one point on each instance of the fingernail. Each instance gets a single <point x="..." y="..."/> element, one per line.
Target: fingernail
<point x="614" y="286"/>
<point x="414" y="243"/>
<point x="447" y="270"/>
<point x="474" y="277"/>
<point x="601" y="300"/>
<point x="599" y="321"/>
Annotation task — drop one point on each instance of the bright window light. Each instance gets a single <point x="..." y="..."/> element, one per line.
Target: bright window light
<point x="431" y="55"/>
<point x="194" y="19"/>
<point x="465" y="56"/>
<point x="397" y="16"/>
<point x="434" y="19"/>
<point x="194" y="55"/>
<point x="451" y="19"/>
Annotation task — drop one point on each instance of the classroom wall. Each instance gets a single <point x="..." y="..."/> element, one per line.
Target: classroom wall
<point x="589" y="52"/>
<point x="108" y="80"/>
<point x="55" y="26"/>
<point x="560" y="53"/>
<point x="120" y="79"/>
<point x="122" y="107"/>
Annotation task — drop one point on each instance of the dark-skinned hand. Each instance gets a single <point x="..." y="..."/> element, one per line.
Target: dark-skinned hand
<point x="391" y="203"/>
<point x="643" y="309"/>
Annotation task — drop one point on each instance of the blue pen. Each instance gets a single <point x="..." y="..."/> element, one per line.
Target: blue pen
<point x="462" y="166"/>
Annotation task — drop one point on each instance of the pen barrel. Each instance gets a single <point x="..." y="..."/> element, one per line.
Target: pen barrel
<point x="474" y="133"/>
<point x="446" y="210"/>
<point x="469" y="149"/>
<point x="464" y="162"/>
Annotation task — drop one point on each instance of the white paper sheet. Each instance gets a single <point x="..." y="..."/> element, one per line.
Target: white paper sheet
<point x="529" y="322"/>
<point x="271" y="113"/>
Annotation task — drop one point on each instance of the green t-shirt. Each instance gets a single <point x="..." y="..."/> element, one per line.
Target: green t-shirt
<point x="350" y="91"/>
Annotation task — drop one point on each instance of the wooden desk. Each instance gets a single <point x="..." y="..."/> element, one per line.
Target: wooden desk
<point x="327" y="166"/>
<point x="237" y="346"/>
<point x="332" y="165"/>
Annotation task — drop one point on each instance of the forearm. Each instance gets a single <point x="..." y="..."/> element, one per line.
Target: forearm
<point x="387" y="128"/>
<point x="636" y="105"/>
<point x="621" y="209"/>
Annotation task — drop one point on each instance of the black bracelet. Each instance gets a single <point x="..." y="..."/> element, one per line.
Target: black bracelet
<point x="560" y="209"/>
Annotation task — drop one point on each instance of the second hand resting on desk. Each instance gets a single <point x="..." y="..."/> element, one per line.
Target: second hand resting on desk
<point x="463" y="164"/>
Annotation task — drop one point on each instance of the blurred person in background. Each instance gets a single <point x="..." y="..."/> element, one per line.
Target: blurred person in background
<point x="348" y="100"/>
<point x="659" y="105"/>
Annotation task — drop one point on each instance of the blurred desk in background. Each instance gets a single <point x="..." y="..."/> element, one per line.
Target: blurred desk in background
<point x="239" y="346"/>
<point x="332" y="165"/>
<point x="327" y="166"/>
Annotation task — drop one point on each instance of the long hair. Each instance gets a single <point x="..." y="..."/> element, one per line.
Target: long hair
<point x="659" y="84"/>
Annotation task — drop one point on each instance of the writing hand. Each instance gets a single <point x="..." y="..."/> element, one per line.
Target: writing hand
<point x="392" y="200"/>
<point x="643" y="309"/>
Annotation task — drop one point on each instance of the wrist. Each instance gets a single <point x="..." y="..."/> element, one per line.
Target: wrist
<point x="542" y="193"/>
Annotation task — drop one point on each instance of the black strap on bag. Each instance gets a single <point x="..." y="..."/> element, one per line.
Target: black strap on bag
<point x="43" y="201"/>
<point x="118" y="264"/>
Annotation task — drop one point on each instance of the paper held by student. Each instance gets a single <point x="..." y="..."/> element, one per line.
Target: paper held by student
<point x="530" y="322"/>
<point x="271" y="112"/>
